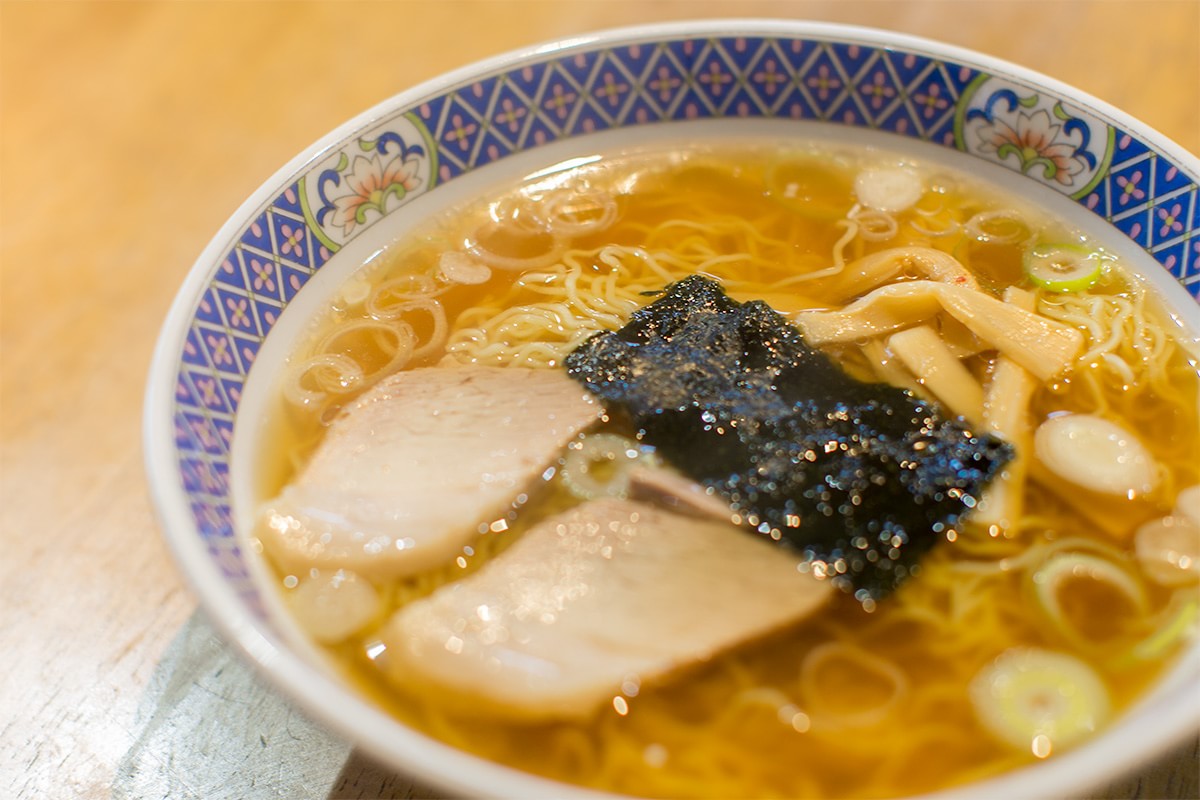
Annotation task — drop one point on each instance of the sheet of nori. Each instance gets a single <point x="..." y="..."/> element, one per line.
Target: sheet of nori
<point x="862" y="478"/>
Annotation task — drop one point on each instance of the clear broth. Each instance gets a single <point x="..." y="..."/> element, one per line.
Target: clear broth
<point x="746" y="724"/>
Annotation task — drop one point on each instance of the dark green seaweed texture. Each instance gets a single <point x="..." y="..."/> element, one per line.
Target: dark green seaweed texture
<point x="862" y="478"/>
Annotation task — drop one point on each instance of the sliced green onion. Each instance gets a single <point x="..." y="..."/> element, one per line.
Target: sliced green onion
<point x="1097" y="454"/>
<point x="1181" y="622"/>
<point x="1055" y="576"/>
<point x="1039" y="700"/>
<point x="1168" y="550"/>
<point x="598" y="465"/>
<point x="333" y="605"/>
<point x="1063" y="267"/>
<point x="892" y="189"/>
<point x="1187" y="504"/>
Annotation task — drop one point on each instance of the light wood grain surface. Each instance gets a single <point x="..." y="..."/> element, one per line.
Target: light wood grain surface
<point x="129" y="131"/>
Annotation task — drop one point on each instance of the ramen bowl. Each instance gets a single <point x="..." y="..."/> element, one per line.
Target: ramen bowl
<point x="282" y="255"/>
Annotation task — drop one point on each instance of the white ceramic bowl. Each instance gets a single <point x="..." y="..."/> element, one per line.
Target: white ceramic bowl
<point x="284" y="250"/>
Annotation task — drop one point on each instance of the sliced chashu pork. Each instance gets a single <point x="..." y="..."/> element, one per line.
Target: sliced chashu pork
<point x="409" y="471"/>
<point x="610" y="591"/>
<point x="668" y="488"/>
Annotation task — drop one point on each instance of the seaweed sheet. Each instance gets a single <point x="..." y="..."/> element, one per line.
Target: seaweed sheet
<point x="862" y="478"/>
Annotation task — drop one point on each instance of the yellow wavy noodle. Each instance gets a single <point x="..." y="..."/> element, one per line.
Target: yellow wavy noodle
<point x="739" y="726"/>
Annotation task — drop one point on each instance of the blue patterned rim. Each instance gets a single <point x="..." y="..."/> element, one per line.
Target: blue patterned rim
<point x="1135" y="180"/>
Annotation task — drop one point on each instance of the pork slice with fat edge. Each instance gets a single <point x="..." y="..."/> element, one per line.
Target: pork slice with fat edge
<point x="410" y="470"/>
<point x="609" y="591"/>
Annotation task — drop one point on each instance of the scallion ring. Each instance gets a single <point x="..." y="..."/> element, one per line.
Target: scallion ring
<point x="1064" y="267"/>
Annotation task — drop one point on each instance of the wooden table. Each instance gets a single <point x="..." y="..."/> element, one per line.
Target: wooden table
<point x="128" y="132"/>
